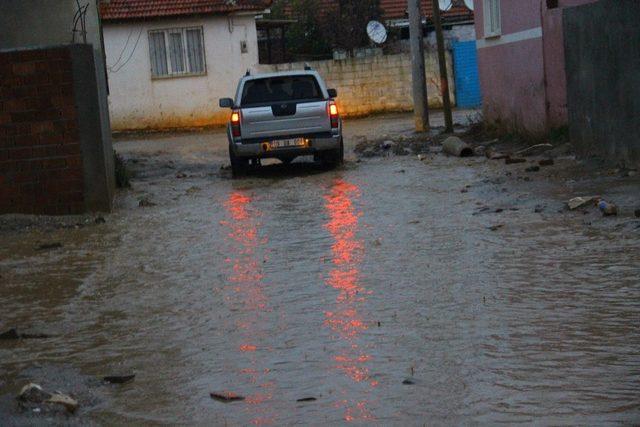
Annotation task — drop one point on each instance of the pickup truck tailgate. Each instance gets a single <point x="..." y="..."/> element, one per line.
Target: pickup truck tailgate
<point x="285" y="119"/>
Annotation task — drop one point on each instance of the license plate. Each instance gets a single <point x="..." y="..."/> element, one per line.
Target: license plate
<point x="285" y="143"/>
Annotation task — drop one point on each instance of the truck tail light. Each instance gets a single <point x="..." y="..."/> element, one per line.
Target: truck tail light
<point x="333" y="113"/>
<point x="235" y="123"/>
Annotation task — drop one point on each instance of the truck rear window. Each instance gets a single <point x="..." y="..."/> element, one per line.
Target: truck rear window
<point x="281" y="89"/>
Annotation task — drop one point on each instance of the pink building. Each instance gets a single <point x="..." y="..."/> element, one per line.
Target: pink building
<point x="521" y="61"/>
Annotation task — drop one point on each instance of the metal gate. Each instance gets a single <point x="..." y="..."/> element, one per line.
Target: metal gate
<point x="465" y="63"/>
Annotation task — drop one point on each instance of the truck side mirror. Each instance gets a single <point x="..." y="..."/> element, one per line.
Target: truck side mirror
<point x="226" y="102"/>
<point x="332" y="93"/>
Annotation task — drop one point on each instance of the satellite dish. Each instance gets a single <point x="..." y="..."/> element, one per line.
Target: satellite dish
<point x="469" y="4"/>
<point x="444" y="5"/>
<point x="377" y="32"/>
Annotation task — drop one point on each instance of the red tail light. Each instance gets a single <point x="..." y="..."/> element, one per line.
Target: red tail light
<point x="235" y="124"/>
<point x="332" y="108"/>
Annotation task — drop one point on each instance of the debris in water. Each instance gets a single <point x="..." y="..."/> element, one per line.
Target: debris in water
<point x="33" y="393"/>
<point x="456" y="147"/>
<point x="422" y="157"/>
<point x="119" y="379"/>
<point x="11" y="334"/>
<point x="53" y="245"/>
<point x="513" y="160"/>
<point x="578" y="202"/>
<point x="496" y="227"/>
<point x="546" y="162"/>
<point x="532" y="169"/>
<point x="100" y="220"/>
<point x="307" y="399"/>
<point x="192" y="190"/>
<point x="535" y="150"/>
<point x="145" y="203"/>
<point x="637" y="213"/>
<point x="69" y="403"/>
<point x="408" y="381"/>
<point x="181" y="175"/>
<point x="607" y="209"/>
<point x="226" y="397"/>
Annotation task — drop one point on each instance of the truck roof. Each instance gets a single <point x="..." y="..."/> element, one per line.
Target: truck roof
<point x="281" y="73"/>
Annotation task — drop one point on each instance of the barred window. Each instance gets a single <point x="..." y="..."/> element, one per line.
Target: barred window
<point x="492" y="20"/>
<point x="177" y="52"/>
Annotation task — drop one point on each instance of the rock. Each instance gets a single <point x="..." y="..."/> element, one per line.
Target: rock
<point x="69" y="403"/>
<point x="46" y="246"/>
<point x="11" y="334"/>
<point x="535" y="150"/>
<point x="546" y="162"/>
<point x="145" y="203"/>
<point x="578" y="202"/>
<point x="480" y="150"/>
<point x="532" y="169"/>
<point x="456" y="147"/>
<point x="33" y="393"/>
<point x="408" y="381"/>
<point x="226" y="397"/>
<point x="495" y="155"/>
<point x="607" y="209"/>
<point x="512" y="160"/>
<point x="560" y="150"/>
<point x="306" y="399"/>
<point x="119" y="379"/>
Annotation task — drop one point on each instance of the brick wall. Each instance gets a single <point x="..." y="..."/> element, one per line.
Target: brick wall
<point x="40" y="155"/>
<point x="375" y="84"/>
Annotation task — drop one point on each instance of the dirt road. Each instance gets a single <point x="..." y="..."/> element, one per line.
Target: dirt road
<point x="393" y="291"/>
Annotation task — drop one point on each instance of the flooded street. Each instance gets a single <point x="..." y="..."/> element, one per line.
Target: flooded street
<point x="296" y="282"/>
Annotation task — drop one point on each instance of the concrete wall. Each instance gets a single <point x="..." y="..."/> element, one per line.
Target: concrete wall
<point x="137" y="101"/>
<point x="375" y="84"/>
<point x="49" y="122"/>
<point x="45" y="23"/>
<point x="522" y="70"/>
<point x="602" y="43"/>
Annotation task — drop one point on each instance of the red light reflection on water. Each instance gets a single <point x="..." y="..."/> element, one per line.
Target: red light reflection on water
<point x="345" y="320"/>
<point x="246" y="284"/>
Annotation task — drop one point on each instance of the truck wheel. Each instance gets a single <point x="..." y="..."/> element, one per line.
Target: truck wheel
<point x="238" y="164"/>
<point x="334" y="158"/>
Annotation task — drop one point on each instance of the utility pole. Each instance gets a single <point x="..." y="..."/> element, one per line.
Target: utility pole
<point x="420" y="110"/>
<point x="444" y="79"/>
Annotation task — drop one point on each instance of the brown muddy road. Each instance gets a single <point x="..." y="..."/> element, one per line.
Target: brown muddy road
<point x="338" y="285"/>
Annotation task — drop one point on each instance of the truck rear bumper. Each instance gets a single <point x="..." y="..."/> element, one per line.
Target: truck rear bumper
<point x="313" y="146"/>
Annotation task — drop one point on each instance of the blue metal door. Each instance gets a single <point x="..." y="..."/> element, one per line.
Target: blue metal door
<point x="465" y="64"/>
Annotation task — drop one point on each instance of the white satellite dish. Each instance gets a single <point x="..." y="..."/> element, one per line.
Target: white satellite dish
<point x="444" y="5"/>
<point x="469" y="4"/>
<point x="377" y="32"/>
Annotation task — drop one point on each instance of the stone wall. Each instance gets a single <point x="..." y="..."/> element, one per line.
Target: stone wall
<point x="375" y="84"/>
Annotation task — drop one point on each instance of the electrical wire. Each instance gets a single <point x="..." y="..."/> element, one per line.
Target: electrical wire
<point x="131" y="54"/>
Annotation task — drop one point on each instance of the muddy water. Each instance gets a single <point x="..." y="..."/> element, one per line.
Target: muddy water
<point x="339" y="285"/>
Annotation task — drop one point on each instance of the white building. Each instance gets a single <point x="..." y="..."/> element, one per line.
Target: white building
<point x="168" y="62"/>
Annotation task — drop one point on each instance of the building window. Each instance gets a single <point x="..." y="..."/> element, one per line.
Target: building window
<point x="177" y="52"/>
<point x="492" y="24"/>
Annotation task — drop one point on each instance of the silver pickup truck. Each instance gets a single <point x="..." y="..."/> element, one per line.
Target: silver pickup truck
<point x="283" y="115"/>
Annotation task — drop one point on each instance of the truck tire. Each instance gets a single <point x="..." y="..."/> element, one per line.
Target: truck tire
<point x="238" y="164"/>
<point x="334" y="158"/>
